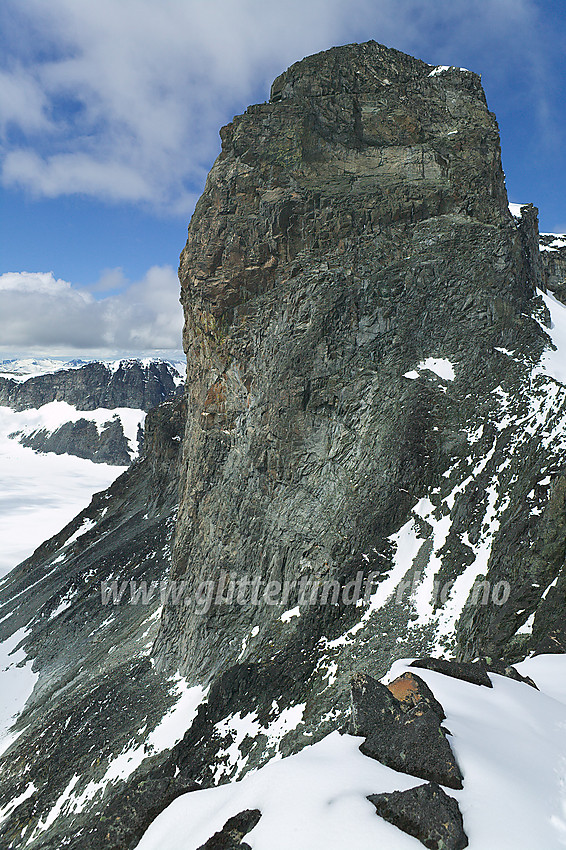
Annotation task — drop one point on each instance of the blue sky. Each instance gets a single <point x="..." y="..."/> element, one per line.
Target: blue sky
<point x="109" y="118"/>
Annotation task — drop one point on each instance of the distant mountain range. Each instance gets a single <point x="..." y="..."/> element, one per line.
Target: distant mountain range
<point x="67" y="429"/>
<point x="93" y="410"/>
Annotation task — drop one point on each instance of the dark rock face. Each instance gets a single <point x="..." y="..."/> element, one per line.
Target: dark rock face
<point x="474" y="673"/>
<point x="83" y="439"/>
<point x="427" y="813"/>
<point x="410" y="741"/>
<point x="507" y="670"/>
<point x="553" y="257"/>
<point x="94" y="385"/>
<point x="231" y="834"/>
<point x="353" y="230"/>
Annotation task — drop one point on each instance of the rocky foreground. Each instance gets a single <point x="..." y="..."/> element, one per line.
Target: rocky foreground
<point x="369" y="462"/>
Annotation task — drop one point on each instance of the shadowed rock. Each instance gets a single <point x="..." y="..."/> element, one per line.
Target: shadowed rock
<point x="425" y="812"/>
<point x="411" y="741"/>
<point x="466" y="670"/>
<point x="231" y="834"/>
<point x="507" y="670"/>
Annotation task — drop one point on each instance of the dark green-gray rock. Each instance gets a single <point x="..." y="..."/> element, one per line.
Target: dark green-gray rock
<point x="427" y="813"/>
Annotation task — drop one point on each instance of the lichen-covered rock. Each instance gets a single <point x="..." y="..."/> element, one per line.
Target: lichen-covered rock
<point x="427" y="813"/>
<point x="410" y="690"/>
<point x="410" y="741"/>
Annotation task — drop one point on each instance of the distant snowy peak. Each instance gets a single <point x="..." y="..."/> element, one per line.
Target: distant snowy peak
<point x="177" y="368"/>
<point x="22" y="369"/>
<point x="137" y="384"/>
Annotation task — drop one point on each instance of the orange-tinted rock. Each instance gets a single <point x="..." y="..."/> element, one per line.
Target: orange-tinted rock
<point x="411" y="690"/>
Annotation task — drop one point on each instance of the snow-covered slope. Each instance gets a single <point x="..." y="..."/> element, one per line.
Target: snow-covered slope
<point x="510" y="744"/>
<point x="42" y="483"/>
<point x="40" y="493"/>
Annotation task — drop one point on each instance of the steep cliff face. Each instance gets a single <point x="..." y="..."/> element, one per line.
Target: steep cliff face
<point x="352" y="283"/>
<point x="83" y="611"/>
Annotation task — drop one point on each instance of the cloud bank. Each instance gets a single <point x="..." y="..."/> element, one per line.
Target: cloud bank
<point x="40" y="312"/>
<point x="122" y="101"/>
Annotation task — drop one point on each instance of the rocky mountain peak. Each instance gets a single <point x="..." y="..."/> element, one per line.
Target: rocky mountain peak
<point x="352" y="228"/>
<point x="354" y="69"/>
<point x="353" y="139"/>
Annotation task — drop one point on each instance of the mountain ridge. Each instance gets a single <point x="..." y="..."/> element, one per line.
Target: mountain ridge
<point x="104" y="392"/>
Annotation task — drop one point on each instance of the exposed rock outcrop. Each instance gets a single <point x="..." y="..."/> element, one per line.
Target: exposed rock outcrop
<point x="553" y="256"/>
<point x="83" y="439"/>
<point x="351" y="279"/>
<point x="426" y="812"/>
<point x="230" y="836"/>
<point x="410" y="741"/>
<point x="474" y="673"/>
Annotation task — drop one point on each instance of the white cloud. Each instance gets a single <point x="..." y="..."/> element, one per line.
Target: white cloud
<point x="23" y="102"/>
<point x="123" y="101"/>
<point x="67" y="174"/>
<point x="39" y="311"/>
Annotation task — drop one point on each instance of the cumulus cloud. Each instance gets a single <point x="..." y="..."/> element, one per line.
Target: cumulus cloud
<point x="123" y="101"/>
<point x="41" y="312"/>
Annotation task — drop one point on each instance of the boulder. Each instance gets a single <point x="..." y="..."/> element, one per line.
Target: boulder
<point x="474" y="672"/>
<point x="411" y="741"/>
<point x="231" y="834"/>
<point x="427" y="813"/>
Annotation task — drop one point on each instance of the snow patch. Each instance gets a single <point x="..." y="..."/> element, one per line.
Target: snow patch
<point x="288" y="615"/>
<point x="442" y="69"/>
<point x="553" y="363"/>
<point x="441" y="367"/>
<point x="18" y="681"/>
